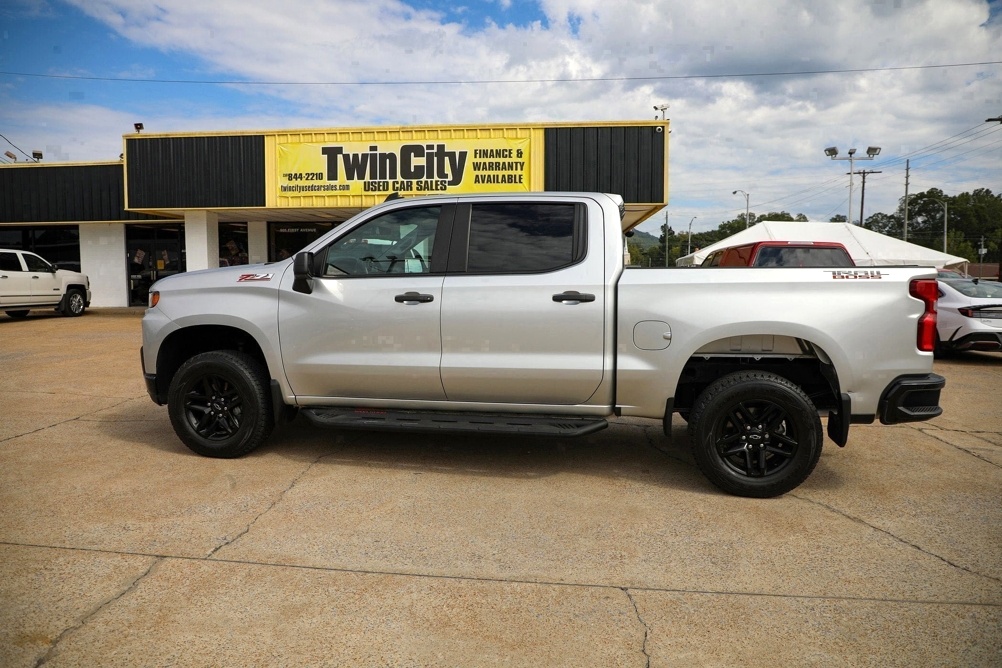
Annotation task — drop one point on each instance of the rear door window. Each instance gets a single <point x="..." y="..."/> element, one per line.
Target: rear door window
<point x="9" y="262"/>
<point x="524" y="238"/>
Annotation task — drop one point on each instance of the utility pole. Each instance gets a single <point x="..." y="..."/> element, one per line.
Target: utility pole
<point x="666" y="235"/>
<point x="907" y="168"/>
<point x="862" y="197"/>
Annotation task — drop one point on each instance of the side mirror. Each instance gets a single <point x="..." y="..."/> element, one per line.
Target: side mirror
<point x="302" y="269"/>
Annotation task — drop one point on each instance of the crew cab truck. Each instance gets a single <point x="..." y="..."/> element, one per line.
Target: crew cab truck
<point x="513" y="313"/>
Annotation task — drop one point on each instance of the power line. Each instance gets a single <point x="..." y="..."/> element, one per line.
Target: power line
<point x="731" y="75"/>
<point x="29" y="157"/>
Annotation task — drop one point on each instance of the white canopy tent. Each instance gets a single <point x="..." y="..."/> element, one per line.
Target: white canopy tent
<point x="867" y="248"/>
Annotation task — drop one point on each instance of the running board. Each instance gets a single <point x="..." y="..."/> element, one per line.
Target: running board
<point x="434" y="421"/>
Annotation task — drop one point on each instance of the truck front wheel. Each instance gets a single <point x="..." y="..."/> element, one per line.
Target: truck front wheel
<point x="219" y="405"/>
<point x="755" y="434"/>
<point x="74" y="304"/>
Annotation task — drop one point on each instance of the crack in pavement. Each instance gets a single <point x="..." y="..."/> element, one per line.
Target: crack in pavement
<point x="78" y="418"/>
<point x="54" y="647"/>
<point x="647" y="629"/>
<point x="899" y="539"/>
<point x="975" y="434"/>
<point x="278" y="499"/>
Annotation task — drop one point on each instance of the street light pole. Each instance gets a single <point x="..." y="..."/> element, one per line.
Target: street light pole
<point x="688" y="247"/>
<point x="871" y="153"/>
<point x="746" y="205"/>
<point x="946" y="217"/>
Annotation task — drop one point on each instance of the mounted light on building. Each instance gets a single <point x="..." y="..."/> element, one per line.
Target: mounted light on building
<point x="36" y="155"/>
<point x="10" y="155"/>
<point x="138" y="127"/>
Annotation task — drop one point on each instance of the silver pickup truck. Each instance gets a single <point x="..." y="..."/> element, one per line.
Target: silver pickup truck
<point x="514" y="313"/>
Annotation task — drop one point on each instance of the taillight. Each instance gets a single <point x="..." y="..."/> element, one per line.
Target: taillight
<point x="154" y="298"/>
<point x="966" y="312"/>
<point x="927" y="290"/>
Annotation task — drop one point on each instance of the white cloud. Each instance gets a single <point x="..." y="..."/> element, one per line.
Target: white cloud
<point x="762" y="134"/>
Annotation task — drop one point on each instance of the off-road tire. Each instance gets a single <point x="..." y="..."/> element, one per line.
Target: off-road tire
<point x="755" y="434"/>
<point x="219" y="404"/>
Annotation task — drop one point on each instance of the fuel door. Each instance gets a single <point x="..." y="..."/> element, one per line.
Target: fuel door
<point x="651" y="335"/>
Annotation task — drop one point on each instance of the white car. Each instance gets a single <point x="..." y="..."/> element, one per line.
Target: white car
<point x="970" y="315"/>
<point x="29" y="282"/>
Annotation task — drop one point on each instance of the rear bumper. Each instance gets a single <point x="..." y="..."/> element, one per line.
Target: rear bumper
<point x="991" y="341"/>
<point x="911" y="399"/>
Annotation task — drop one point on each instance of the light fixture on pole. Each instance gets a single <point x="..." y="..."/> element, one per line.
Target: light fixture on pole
<point x="10" y="155"/>
<point x="688" y="247"/>
<point x="138" y="127"/>
<point x="946" y="217"/>
<point x="871" y="153"/>
<point x="36" y="156"/>
<point x="746" y="205"/>
<point x="662" y="108"/>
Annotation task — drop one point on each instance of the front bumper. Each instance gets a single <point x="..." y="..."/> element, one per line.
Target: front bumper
<point x="911" y="398"/>
<point x="150" y="379"/>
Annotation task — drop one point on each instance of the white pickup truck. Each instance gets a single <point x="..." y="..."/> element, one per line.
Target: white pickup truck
<point x="29" y="282"/>
<point x="514" y="313"/>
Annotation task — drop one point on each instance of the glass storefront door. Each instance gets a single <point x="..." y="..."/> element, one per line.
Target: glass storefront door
<point x="154" y="251"/>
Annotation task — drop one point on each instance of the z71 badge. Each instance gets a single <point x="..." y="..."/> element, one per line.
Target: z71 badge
<point x="857" y="274"/>
<point x="255" y="277"/>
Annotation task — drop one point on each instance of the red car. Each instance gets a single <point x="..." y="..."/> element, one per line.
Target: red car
<point x="781" y="254"/>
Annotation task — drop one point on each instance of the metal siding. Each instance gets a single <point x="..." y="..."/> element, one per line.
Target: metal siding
<point x="629" y="161"/>
<point x="196" y="172"/>
<point x="63" y="194"/>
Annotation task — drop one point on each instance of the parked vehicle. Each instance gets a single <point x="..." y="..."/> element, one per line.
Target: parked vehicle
<point x="970" y="315"/>
<point x="781" y="254"/>
<point x="513" y="313"/>
<point x="29" y="282"/>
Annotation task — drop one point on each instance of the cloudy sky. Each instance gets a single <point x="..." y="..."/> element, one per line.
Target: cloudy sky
<point x="756" y="90"/>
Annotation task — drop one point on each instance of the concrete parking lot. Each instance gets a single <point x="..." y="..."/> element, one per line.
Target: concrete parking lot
<point x="119" y="547"/>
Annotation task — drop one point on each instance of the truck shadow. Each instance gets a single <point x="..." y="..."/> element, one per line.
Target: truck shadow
<point x="624" y="450"/>
<point x="635" y="451"/>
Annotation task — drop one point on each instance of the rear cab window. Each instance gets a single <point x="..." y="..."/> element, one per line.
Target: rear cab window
<point x="774" y="256"/>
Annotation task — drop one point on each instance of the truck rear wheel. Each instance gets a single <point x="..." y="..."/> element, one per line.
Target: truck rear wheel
<point x="219" y="405"/>
<point x="755" y="434"/>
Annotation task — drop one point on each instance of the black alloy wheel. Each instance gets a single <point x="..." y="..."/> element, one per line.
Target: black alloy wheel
<point x="755" y="434"/>
<point x="219" y="405"/>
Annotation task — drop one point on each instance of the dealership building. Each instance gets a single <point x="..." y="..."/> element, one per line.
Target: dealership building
<point x="186" y="201"/>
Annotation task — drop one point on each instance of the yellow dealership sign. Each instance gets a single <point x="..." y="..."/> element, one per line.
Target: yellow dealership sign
<point x="409" y="167"/>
